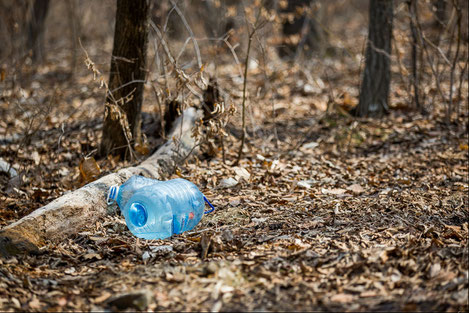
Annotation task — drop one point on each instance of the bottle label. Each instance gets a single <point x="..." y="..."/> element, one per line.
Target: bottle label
<point x="180" y="222"/>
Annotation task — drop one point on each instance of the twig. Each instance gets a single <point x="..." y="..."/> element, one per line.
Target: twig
<point x="268" y="86"/>
<point x="109" y="95"/>
<point x="427" y="53"/>
<point x="128" y="83"/>
<point x="163" y="42"/>
<point x="243" y="114"/>
<point x="183" y="48"/>
<point x="233" y="52"/>
<point x="186" y="25"/>
<point x="158" y="100"/>
<point x="453" y="66"/>
<point x="258" y="24"/>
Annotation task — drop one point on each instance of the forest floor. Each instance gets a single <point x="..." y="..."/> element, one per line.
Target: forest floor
<point x="323" y="212"/>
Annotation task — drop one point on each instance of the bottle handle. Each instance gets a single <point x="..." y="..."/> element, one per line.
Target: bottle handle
<point x="212" y="207"/>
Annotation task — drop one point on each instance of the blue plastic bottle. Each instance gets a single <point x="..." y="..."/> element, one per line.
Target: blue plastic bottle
<point x="158" y="209"/>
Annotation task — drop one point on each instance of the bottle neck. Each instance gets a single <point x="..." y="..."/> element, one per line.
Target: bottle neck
<point x="112" y="194"/>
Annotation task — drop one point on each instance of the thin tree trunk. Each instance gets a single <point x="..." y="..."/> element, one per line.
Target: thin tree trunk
<point x="374" y="93"/>
<point x="36" y="29"/>
<point x="440" y="20"/>
<point x="440" y="13"/>
<point x="74" y="24"/>
<point x="415" y="79"/>
<point x="126" y="81"/>
<point x="303" y="34"/>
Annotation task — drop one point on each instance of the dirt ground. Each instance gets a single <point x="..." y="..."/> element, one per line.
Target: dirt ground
<point x="324" y="212"/>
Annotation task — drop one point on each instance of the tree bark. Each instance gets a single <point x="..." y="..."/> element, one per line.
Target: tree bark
<point x="126" y="81"/>
<point x="374" y="91"/>
<point x="76" y="210"/>
<point x="36" y="29"/>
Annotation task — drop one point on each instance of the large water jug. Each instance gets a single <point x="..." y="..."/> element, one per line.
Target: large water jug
<point x="158" y="209"/>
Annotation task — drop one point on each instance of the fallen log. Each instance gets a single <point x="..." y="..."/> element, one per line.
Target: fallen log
<point x="71" y="212"/>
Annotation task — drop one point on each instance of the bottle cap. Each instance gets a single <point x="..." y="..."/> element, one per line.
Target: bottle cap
<point x="112" y="194"/>
<point x="138" y="214"/>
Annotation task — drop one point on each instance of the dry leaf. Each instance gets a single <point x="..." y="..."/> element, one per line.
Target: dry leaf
<point x="435" y="270"/>
<point x="368" y="294"/>
<point x="356" y="189"/>
<point x="334" y="191"/>
<point x="90" y="256"/>
<point x="103" y="297"/>
<point x="35" y="304"/>
<point x="242" y="173"/>
<point x="62" y="301"/>
<point x="35" y="157"/>
<point x="305" y="184"/>
<point x="89" y="169"/>
<point x="143" y="149"/>
<point x="228" y="182"/>
<point x="342" y="298"/>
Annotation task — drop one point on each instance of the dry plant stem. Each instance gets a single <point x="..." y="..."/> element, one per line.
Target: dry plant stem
<point x="268" y="86"/>
<point x="158" y="100"/>
<point x="453" y="66"/>
<point x="163" y="43"/>
<point x="165" y="75"/>
<point x="222" y="142"/>
<point x="188" y="28"/>
<point x="109" y="94"/>
<point x="462" y="78"/>
<point x="401" y="72"/>
<point x="257" y="25"/>
<point x="423" y="42"/>
<point x="243" y="112"/>
<point x="235" y="56"/>
<point x="180" y="74"/>
<point x="462" y="70"/>
<point x="135" y="81"/>
<point x="31" y="130"/>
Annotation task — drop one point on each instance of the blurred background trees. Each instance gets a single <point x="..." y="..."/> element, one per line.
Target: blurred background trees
<point x="36" y="24"/>
<point x="399" y="56"/>
<point x="302" y="28"/>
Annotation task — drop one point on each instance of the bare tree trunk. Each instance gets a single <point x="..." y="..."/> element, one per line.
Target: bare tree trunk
<point x="36" y="29"/>
<point x="374" y="93"/>
<point x="124" y="100"/>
